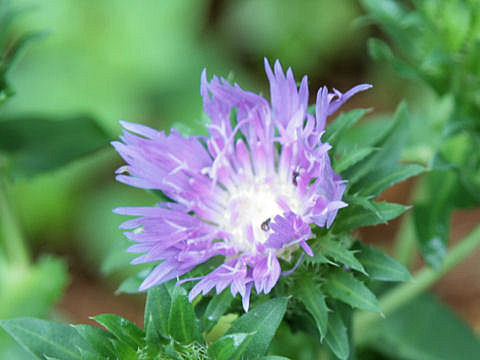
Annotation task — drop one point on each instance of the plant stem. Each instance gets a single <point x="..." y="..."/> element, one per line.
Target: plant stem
<point x="426" y="277"/>
<point x="10" y="233"/>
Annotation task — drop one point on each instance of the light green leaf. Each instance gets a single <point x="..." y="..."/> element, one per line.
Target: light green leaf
<point x="342" y="123"/>
<point x="390" y="148"/>
<point x="262" y="321"/>
<point x="380" y="266"/>
<point x="42" y="338"/>
<point x="123" y="329"/>
<point x="157" y="311"/>
<point x="379" y="50"/>
<point x="182" y="323"/>
<point x="345" y="287"/>
<point x="337" y="338"/>
<point x="380" y="180"/>
<point x="216" y="308"/>
<point x="351" y="158"/>
<point x="314" y="300"/>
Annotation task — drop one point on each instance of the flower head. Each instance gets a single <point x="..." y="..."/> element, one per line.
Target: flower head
<point x="250" y="191"/>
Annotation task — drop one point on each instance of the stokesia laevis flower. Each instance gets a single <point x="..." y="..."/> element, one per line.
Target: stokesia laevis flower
<point x="250" y="191"/>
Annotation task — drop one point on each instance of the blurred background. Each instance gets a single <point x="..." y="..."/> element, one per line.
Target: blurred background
<point x="141" y="61"/>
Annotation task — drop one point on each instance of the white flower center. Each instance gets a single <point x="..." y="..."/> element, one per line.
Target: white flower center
<point x="252" y="207"/>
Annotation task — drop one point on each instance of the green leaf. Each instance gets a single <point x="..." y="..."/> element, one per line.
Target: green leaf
<point x="157" y="312"/>
<point x="123" y="329"/>
<point x="43" y="338"/>
<point x="274" y="357"/>
<point x="379" y="50"/>
<point x="341" y="124"/>
<point x="351" y="158"/>
<point x="337" y="337"/>
<point x="35" y="145"/>
<point x="344" y="286"/>
<point x="390" y="149"/>
<point x="100" y="340"/>
<point x="425" y="329"/>
<point x="376" y="182"/>
<point x="314" y="300"/>
<point x="263" y="321"/>
<point x="46" y="279"/>
<point x="182" y="323"/>
<point x="334" y="249"/>
<point x="225" y="347"/>
<point x="380" y="266"/>
<point x="216" y="308"/>
<point x="354" y="215"/>
<point x="432" y="227"/>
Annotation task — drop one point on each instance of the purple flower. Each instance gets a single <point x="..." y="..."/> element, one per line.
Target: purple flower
<point x="250" y="191"/>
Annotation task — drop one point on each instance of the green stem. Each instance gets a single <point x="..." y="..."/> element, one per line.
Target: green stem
<point x="426" y="277"/>
<point x="10" y="233"/>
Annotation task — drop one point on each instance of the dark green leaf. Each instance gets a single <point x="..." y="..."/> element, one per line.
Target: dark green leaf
<point x="314" y="300"/>
<point x="36" y="145"/>
<point x="262" y="321"/>
<point x="342" y="123"/>
<point x="225" y="347"/>
<point x="380" y="266"/>
<point x="351" y="158"/>
<point x="46" y="338"/>
<point x="344" y="286"/>
<point x="354" y="216"/>
<point x="335" y="250"/>
<point x="274" y="357"/>
<point x="157" y="311"/>
<point x="337" y="338"/>
<point x="182" y="324"/>
<point x="216" y="308"/>
<point x="100" y="340"/>
<point x="123" y="329"/>
<point x="425" y="329"/>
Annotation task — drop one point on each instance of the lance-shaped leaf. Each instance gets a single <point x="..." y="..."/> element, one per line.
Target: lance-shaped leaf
<point x="354" y="216"/>
<point x="182" y="323"/>
<point x="157" y="311"/>
<point x="380" y="266"/>
<point x="334" y="249"/>
<point x="337" y="337"/>
<point x="226" y="347"/>
<point x="314" y="300"/>
<point x="351" y="158"/>
<point x="345" y="287"/>
<point x="390" y="149"/>
<point x="123" y="329"/>
<point x="376" y="182"/>
<point x="216" y="308"/>
<point x="43" y="338"/>
<point x="262" y="322"/>
<point x="341" y="124"/>
<point x="425" y="329"/>
<point x="35" y="145"/>
<point x="100" y="340"/>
